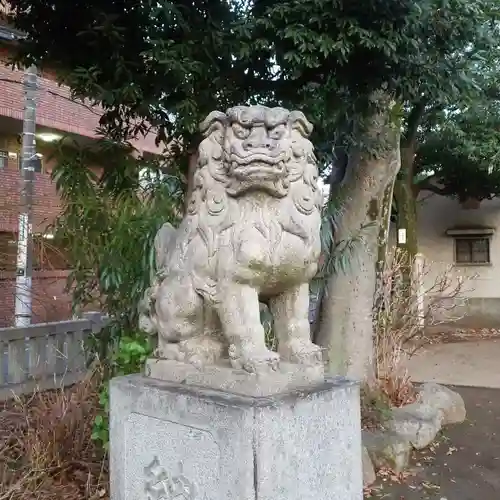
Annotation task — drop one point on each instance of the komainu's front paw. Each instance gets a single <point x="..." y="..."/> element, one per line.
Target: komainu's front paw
<point x="253" y="359"/>
<point x="299" y="351"/>
<point x="170" y="351"/>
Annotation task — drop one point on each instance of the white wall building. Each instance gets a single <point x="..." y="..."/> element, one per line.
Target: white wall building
<point x="467" y="239"/>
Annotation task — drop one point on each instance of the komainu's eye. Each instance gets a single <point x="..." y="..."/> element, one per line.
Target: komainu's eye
<point x="239" y="131"/>
<point x="277" y="132"/>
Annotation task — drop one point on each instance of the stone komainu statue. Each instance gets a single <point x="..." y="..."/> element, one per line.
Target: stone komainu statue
<point x="252" y="232"/>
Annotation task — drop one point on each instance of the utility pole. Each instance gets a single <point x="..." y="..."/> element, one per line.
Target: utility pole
<point x="24" y="266"/>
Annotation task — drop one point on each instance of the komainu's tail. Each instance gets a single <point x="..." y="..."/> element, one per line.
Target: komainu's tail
<point x="165" y="237"/>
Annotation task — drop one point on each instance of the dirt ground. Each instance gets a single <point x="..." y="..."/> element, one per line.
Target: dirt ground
<point x="468" y="363"/>
<point x="446" y="334"/>
<point x="465" y="462"/>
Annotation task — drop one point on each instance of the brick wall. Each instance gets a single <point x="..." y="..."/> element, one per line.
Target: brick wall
<point x="45" y="207"/>
<point x="46" y="202"/>
<point x="55" y="107"/>
<point x="55" y="110"/>
<point x="49" y="300"/>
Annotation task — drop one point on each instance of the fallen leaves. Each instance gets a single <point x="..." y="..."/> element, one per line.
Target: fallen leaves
<point x="387" y="474"/>
<point x="430" y="486"/>
<point x="462" y="335"/>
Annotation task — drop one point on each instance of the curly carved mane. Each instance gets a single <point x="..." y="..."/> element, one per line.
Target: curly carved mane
<point x="213" y="207"/>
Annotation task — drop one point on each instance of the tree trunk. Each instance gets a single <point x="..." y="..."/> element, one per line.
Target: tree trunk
<point x="383" y="246"/>
<point x="404" y="194"/>
<point x="317" y="288"/>
<point x="346" y="329"/>
<point x="385" y="226"/>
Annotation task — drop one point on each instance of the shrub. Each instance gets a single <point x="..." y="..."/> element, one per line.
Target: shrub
<point x="107" y="227"/>
<point x="403" y="310"/>
<point x="45" y="446"/>
<point x="129" y="357"/>
<point x="375" y="408"/>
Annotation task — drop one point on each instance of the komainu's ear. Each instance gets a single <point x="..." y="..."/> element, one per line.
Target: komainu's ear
<point x="213" y="121"/>
<point x="301" y="123"/>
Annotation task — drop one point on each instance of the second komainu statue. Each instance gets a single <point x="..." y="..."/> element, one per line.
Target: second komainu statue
<point x="251" y="233"/>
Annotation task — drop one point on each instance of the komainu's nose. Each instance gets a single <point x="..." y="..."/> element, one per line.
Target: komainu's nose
<point x="258" y="141"/>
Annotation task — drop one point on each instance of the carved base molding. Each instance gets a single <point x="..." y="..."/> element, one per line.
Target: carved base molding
<point x="287" y="377"/>
<point x="170" y="440"/>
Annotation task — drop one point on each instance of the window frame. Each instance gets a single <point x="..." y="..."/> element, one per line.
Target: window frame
<point x="4" y="154"/>
<point x="470" y="239"/>
<point x="8" y="251"/>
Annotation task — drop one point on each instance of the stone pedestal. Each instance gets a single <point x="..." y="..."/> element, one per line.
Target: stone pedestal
<point x="172" y="440"/>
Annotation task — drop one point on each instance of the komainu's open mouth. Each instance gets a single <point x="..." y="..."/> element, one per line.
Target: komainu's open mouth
<point x="258" y="170"/>
<point x="257" y="166"/>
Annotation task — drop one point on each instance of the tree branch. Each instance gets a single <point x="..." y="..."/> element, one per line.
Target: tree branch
<point x="79" y="103"/>
<point x="414" y="119"/>
<point x="427" y="185"/>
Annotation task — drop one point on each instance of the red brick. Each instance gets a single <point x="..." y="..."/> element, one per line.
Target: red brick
<point x="55" y="110"/>
<point x="49" y="300"/>
<point x="55" y="107"/>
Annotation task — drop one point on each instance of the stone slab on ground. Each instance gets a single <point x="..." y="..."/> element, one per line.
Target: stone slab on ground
<point x="387" y="449"/>
<point x="415" y="425"/>
<point x="464" y="463"/>
<point x="211" y="444"/>
<point x="448" y="402"/>
<point x="369" y="476"/>
<point x="419" y="423"/>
